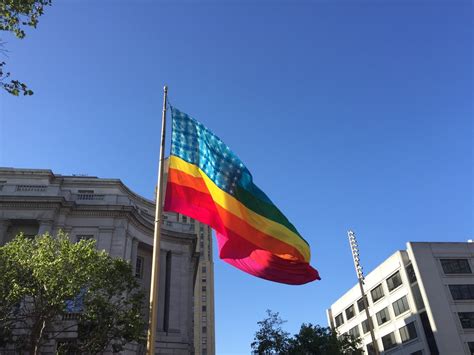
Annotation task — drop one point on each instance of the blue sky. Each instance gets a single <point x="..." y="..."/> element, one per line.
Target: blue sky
<point x="349" y="114"/>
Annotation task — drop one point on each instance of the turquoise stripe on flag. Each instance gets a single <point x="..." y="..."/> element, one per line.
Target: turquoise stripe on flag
<point x="196" y="144"/>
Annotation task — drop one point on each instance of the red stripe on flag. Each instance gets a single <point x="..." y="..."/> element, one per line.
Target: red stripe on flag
<point x="193" y="188"/>
<point x="233" y="248"/>
<point x="242" y="254"/>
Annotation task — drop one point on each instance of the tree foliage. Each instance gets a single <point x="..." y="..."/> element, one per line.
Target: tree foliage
<point x="314" y="339"/>
<point x="311" y="339"/>
<point x="15" y="17"/>
<point x="271" y="338"/>
<point x="45" y="282"/>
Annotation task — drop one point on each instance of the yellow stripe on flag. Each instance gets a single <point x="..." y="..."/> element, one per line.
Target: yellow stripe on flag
<point x="234" y="206"/>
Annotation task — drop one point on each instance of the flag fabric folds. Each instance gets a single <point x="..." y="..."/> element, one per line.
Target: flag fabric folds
<point x="208" y="182"/>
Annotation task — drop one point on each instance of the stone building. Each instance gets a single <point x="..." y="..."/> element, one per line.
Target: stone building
<point x="421" y="301"/>
<point x="204" y="324"/>
<point x="36" y="201"/>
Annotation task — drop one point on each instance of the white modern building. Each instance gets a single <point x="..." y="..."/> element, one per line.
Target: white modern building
<point x="421" y="301"/>
<point x="36" y="201"/>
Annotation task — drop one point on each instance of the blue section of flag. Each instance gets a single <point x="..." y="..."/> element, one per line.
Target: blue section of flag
<point x="196" y="144"/>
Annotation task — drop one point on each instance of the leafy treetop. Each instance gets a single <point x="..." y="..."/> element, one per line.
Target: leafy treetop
<point x="44" y="279"/>
<point x="15" y="16"/>
<point x="311" y="339"/>
<point x="17" y="13"/>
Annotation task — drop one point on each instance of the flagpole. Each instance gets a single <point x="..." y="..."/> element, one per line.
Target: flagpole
<point x="155" y="268"/>
<point x="360" y="278"/>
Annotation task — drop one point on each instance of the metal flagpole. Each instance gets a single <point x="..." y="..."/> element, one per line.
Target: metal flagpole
<point x="360" y="277"/>
<point x="155" y="268"/>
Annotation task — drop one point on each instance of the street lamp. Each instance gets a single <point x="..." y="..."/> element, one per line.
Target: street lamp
<point x="360" y="278"/>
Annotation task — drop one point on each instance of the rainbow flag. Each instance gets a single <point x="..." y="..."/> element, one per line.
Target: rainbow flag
<point x="208" y="182"/>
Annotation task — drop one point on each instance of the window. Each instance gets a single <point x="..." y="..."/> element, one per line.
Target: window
<point x="411" y="273"/>
<point x="80" y="237"/>
<point x="418" y="298"/>
<point x="467" y="319"/>
<point x="471" y="347"/>
<point x="462" y="292"/>
<point x="139" y="267"/>
<point x="377" y="293"/>
<point x="203" y="288"/>
<point x="354" y="332"/>
<point x="389" y="341"/>
<point x="339" y="320"/>
<point x="383" y="316"/>
<point x="204" y="308"/>
<point x="350" y="312"/>
<point x="408" y="332"/>
<point x="400" y="306"/>
<point x="361" y="304"/>
<point x="204" y="329"/>
<point x="394" y="281"/>
<point x="203" y="269"/>
<point x="67" y="346"/>
<point x="370" y="349"/>
<point x="29" y="228"/>
<point x="167" y="298"/>
<point x="429" y="335"/>
<point x="455" y="266"/>
<point x="365" y="326"/>
<point x="185" y="219"/>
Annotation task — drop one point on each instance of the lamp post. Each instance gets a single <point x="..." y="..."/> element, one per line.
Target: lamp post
<point x="360" y="278"/>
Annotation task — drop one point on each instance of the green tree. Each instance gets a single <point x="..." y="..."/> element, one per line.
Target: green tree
<point x="311" y="339"/>
<point x="271" y="338"/>
<point x="317" y="340"/>
<point x="45" y="280"/>
<point x="15" y="16"/>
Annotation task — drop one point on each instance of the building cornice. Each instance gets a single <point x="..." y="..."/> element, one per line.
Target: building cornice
<point x="15" y="201"/>
<point x="69" y="181"/>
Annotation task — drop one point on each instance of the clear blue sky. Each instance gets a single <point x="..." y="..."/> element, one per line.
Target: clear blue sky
<point x="349" y="114"/>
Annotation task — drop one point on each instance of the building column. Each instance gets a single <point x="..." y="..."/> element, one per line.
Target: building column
<point x="127" y="249"/>
<point x="133" y="257"/>
<point x="4" y="224"/>
<point x="45" y="226"/>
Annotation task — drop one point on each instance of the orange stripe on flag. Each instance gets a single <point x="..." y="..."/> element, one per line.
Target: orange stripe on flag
<point x="239" y="226"/>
